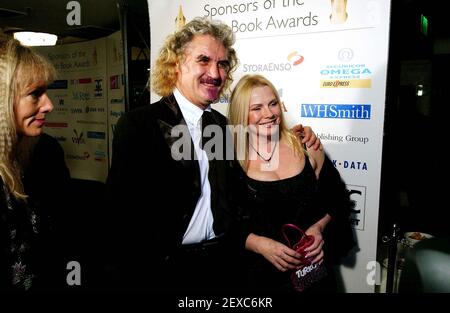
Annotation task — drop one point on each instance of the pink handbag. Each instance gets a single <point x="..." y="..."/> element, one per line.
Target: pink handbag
<point x="307" y="273"/>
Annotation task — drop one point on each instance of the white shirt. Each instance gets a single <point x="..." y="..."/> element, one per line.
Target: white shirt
<point x="201" y="225"/>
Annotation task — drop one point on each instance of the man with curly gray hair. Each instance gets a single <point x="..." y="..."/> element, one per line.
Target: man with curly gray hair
<point x="174" y="216"/>
<point x="177" y="48"/>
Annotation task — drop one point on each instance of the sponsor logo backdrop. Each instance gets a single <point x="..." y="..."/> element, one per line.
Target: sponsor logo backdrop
<point x="88" y="99"/>
<point x="329" y="63"/>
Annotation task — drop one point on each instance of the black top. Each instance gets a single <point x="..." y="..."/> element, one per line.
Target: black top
<point x="275" y="203"/>
<point x="19" y="233"/>
<point x="291" y="200"/>
<point x="31" y="240"/>
<point x="302" y="200"/>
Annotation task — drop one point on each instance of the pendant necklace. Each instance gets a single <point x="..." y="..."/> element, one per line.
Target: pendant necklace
<point x="263" y="158"/>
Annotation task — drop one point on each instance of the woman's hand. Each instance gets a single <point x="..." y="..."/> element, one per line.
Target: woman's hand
<point x="280" y="255"/>
<point x="315" y="250"/>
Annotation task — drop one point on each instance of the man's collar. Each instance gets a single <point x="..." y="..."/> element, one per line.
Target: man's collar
<point x="191" y="112"/>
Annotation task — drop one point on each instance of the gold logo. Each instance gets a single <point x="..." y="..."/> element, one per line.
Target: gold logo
<point x="180" y="20"/>
<point x="338" y="11"/>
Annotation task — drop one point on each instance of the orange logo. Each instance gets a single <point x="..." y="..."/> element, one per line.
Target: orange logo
<point x="295" y="58"/>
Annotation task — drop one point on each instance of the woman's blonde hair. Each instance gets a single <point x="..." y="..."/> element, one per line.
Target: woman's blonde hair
<point x="20" y="67"/>
<point x="164" y="74"/>
<point x="238" y="111"/>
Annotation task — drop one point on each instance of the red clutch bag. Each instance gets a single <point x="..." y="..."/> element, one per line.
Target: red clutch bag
<point x="307" y="273"/>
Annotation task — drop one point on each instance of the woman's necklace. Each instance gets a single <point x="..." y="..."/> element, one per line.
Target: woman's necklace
<point x="263" y="158"/>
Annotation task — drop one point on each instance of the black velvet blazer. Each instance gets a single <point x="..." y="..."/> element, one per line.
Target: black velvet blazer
<point x="153" y="195"/>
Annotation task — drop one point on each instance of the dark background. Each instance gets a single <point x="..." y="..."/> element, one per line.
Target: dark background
<point x="413" y="162"/>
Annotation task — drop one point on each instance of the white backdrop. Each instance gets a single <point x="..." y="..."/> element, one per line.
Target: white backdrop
<point x="330" y="70"/>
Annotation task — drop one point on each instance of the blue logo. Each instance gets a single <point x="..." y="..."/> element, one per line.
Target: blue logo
<point x="351" y="165"/>
<point x="96" y="135"/>
<point x="58" y="84"/>
<point x="340" y="111"/>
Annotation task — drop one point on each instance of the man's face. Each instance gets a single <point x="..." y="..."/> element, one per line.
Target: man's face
<point x="202" y="74"/>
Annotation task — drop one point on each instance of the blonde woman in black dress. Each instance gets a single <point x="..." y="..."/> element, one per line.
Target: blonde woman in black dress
<point x="281" y="182"/>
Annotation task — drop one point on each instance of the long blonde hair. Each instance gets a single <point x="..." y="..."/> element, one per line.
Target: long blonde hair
<point x="238" y="111"/>
<point x="20" y="67"/>
<point x="164" y="75"/>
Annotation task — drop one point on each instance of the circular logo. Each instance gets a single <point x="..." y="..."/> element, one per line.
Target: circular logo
<point x="345" y="54"/>
<point x="295" y="58"/>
